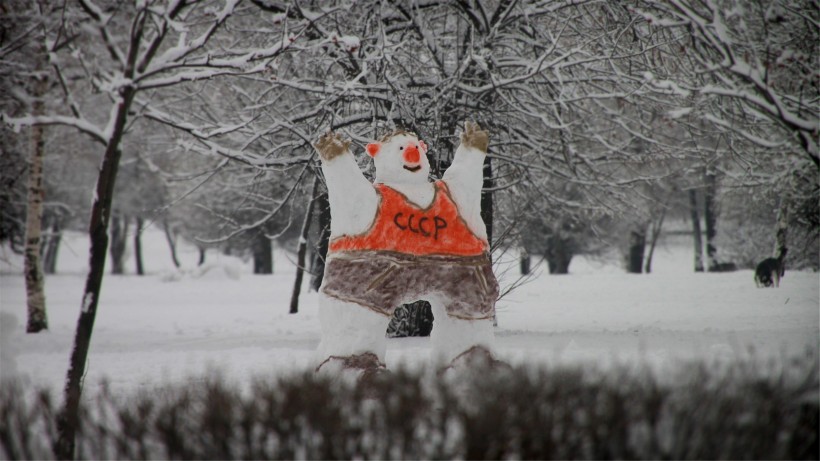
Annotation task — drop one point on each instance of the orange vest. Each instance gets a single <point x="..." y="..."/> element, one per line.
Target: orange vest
<point x="405" y="228"/>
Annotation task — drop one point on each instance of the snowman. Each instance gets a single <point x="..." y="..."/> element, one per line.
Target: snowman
<point x="400" y="239"/>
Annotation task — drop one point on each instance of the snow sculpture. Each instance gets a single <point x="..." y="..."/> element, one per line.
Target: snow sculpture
<point x="400" y="239"/>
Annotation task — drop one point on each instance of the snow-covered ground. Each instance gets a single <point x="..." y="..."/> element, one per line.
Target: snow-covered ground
<point x="162" y="329"/>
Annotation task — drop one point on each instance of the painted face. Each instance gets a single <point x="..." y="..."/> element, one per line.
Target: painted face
<point x="401" y="159"/>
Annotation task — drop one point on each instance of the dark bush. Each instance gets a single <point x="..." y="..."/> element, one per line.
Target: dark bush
<point x="699" y="412"/>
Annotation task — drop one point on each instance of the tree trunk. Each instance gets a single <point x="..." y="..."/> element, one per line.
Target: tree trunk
<point x="558" y="265"/>
<point x="172" y="243"/>
<point x="68" y="418"/>
<point x="696" y="232"/>
<point x="202" y="250"/>
<point x="138" y="247"/>
<point x="524" y="261"/>
<point x="262" y="254"/>
<point x="782" y="228"/>
<point x="487" y="199"/>
<point x="487" y="210"/>
<point x="655" y="233"/>
<point x="558" y="255"/>
<point x="303" y="244"/>
<point x="119" y="234"/>
<point x="35" y="294"/>
<point x="637" y="247"/>
<point x="710" y="219"/>
<point x="323" y="208"/>
<point x="53" y="246"/>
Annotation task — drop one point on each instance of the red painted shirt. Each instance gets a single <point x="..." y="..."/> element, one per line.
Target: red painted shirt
<point x="405" y="228"/>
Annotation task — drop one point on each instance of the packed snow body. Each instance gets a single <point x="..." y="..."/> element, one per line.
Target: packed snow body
<point x="404" y="238"/>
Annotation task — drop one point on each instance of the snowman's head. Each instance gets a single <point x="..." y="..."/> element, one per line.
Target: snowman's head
<point x="400" y="157"/>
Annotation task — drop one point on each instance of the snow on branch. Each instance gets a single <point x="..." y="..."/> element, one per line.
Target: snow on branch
<point x="773" y="109"/>
<point x="732" y="51"/>
<point x="208" y="146"/>
<point x="82" y="125"/>
<point x="666" y="85"/>
<point x="183" y="48"/>
<point x="182" y="68"/>
<point x="102" y="19"/>
<point x="267" y="217"/>
<point x="744" y="133"/>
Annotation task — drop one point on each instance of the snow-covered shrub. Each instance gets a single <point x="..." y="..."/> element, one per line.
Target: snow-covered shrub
<point x="738" y="411"/>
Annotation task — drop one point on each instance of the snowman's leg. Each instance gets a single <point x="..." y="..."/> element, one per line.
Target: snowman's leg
<point x="452" y="336"/>
<point x="349" y="329"/>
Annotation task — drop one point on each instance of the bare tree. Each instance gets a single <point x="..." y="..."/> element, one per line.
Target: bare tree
<point x="756" y="57"/>
<point x="747" y="93"/>
<point x="35" y="293"/>
<point x="303" y="245"/>
<point x="24" y="28"/>
<point x="697" y="233"/>
<point x="119" y="235"/>
<point x="557" y="85"/>
<point x="134" y="61"/>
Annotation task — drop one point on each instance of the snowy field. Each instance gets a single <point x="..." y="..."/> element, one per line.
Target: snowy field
<point x="169" y="327"/>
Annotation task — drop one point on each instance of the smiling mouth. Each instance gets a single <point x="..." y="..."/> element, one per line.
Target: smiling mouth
<point x="412" y="168"/>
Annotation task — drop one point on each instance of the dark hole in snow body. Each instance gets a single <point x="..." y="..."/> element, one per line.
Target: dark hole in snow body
<point x="410" y="320"/>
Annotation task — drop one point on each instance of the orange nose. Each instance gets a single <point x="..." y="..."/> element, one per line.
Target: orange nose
<point x="411" y="154"/>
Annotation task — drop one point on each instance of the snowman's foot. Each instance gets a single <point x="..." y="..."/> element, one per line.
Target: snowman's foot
<point x="476" y="357"/>
<point x="362" y="369"/>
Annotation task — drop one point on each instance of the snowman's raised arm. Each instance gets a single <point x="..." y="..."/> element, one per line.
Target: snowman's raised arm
<point x="353" y="200"/>
<point x="465" y="177"/>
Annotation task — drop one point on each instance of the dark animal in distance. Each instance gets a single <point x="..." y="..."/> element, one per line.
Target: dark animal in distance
<point x="769" y="271"/>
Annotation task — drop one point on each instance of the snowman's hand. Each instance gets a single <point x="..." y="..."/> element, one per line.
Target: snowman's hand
<point x="331" y="145"/>
<point x="474" y="136"/>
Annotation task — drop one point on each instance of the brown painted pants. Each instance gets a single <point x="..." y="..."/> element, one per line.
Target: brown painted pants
<point x="381" y="281"/>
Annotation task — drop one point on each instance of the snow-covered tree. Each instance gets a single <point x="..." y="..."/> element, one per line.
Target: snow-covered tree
<point x="751" y="66"/>
<point x="28" y="28"/>
<point x="749" y="70"/>
<point x="126" y="52"/>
